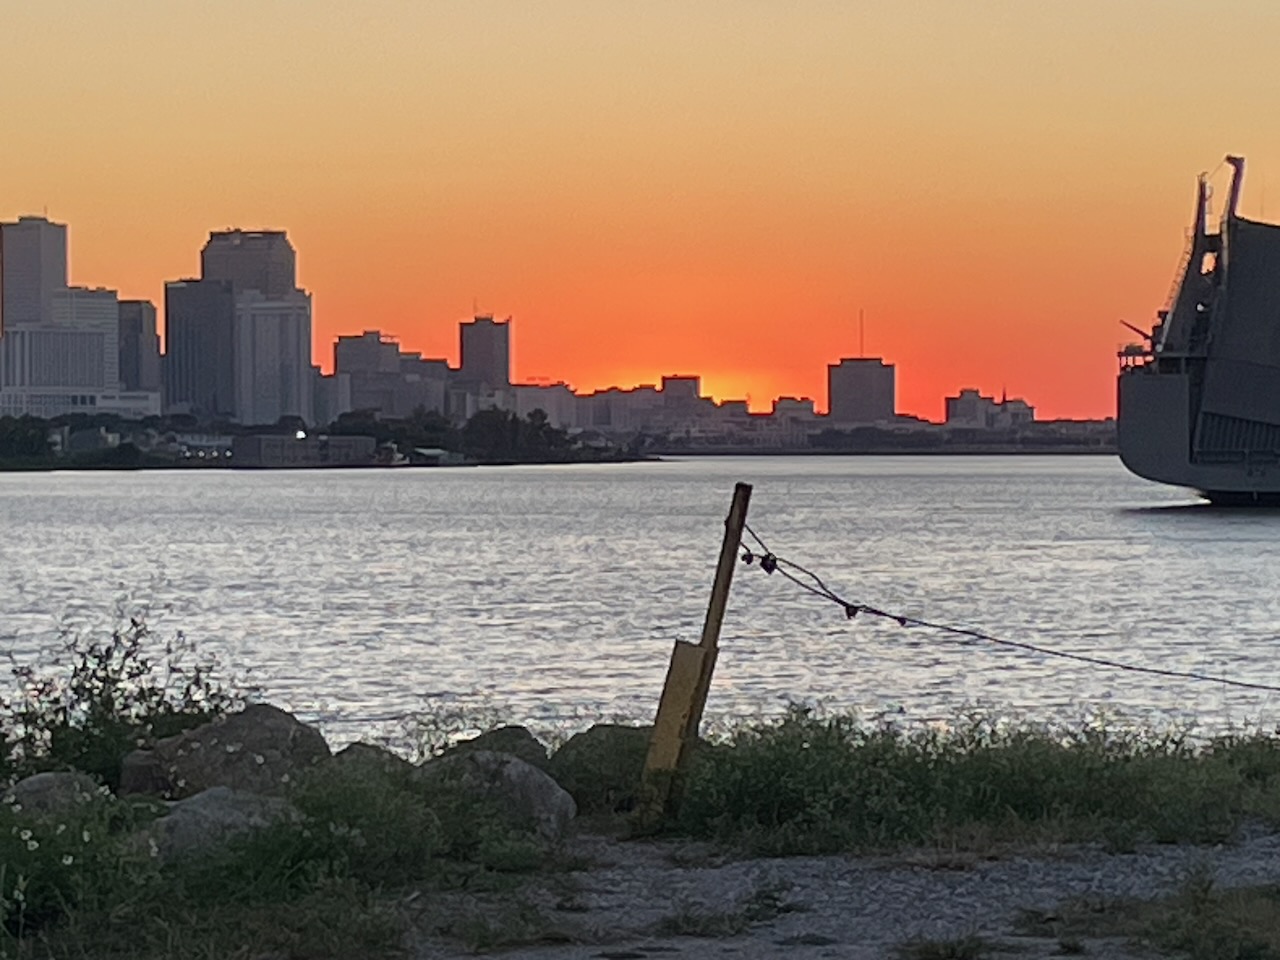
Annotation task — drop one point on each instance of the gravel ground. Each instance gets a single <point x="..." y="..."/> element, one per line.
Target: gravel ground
<point x="643" y="899"/>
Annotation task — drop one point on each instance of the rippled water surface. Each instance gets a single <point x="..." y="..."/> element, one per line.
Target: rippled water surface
<point x="555" y="592"/>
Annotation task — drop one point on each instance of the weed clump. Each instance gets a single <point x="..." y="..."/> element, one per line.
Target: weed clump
<point x="812" y="784"/>
<point x="100" y="698"/>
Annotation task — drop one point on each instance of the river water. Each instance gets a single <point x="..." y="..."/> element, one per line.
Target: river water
<point x="553" y="593"/>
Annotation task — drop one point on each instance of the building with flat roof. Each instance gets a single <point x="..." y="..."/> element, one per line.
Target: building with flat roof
<point x="139" y="346"/>
<point x="271" y="367"/>
<point x="33" y="268"/>
<point x="262" y="260"/>
<point x="198" y="368"/>
<point x="970" y="408"/>
<point x="861" y="390"/>
<point x="485" y="351"/>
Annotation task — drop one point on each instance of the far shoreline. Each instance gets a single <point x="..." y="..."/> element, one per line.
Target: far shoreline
<point x="662" y="456"/>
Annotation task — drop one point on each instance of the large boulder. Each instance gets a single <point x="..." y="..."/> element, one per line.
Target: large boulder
<point x="368" y="760"/>
<point x="209" y="819"/>
<point x="518" y="788"/>
<point x="52" y="792"/>
<point x="601" y="767"/>
<point x="514" y="740"/>
<point x="260" y="749"/>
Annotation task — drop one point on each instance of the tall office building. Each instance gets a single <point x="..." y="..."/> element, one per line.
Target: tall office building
<point x="33" y="268"/>
<point x="272" y="363"/>
<point x="238" y="340"/>
<point x="199" y="376"/>
<point x="139" y="346"/>
<point x="861" y="390"/>
<point x="262" y="260"/>
<point x="486" y="351"/>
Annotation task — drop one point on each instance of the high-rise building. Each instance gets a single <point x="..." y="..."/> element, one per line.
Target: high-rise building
<point x="861" y="390"/>
<point x="262" y="260"/>
<point x="272" y="363"/>
<point x="238" y="340"/>
<point x="199" y="376"/>
<point x="139" y="346"/>
<point x="486" y="351"/>
<point x="33" y="268"/>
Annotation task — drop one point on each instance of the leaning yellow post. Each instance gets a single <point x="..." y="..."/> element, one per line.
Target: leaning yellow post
<point x="684" y="695"/>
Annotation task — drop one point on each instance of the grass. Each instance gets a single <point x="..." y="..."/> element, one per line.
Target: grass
<point x="369" y="837"/>
<point x="1198" y="922"/>
<point x="699" y="920"/>
<point x="821" y="784"/>
<point x="83" y="882"/>
<point x="962" y="948"/>
<point x="322" y="887"/>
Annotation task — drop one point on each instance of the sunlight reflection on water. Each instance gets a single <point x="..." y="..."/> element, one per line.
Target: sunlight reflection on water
<point x="555" y="592"/>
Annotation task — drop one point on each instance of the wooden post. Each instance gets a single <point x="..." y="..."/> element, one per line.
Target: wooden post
<point x="684" y="695"/>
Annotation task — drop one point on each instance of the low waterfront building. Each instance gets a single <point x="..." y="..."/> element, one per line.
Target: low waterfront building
<point x="274" y="451"/>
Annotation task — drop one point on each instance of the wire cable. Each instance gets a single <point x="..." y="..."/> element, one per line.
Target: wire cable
<point x="810" y="582"/>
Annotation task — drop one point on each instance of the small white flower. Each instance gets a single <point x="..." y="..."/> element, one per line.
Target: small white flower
<point x="33" y="845"/>
<point x="62" y="828"/>
<point x="68" y="859"/>
<point x="85" y="836"/>
<point x="25" y="835"/>
<point x="259" y="759"/>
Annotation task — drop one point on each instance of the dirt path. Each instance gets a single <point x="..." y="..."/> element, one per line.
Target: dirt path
<point x="655" y="899"/>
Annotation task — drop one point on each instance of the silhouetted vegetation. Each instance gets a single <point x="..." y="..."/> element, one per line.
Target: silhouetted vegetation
<point x="24" y="438"/>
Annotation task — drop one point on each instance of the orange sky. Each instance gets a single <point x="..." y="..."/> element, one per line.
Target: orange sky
<point x="711" y="187"/>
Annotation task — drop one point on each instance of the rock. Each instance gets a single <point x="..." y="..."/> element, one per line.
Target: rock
<point x="601" y="767"/>
<point x="519" y="788"/>
<point x="367" y="758"/>
<point x="261" y="750"/>
<point x="514" y="740"/>
<point x="209" y="819"/>
<point x="52" y="792"/>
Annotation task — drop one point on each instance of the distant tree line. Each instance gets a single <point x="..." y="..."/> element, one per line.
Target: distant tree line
<point x="495" y="436"/>
<point x="489" y="436"/>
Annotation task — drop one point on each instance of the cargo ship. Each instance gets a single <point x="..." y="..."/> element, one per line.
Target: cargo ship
<point x="1198" y="402"/>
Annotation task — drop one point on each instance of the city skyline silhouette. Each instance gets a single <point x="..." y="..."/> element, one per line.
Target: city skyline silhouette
<point x="704" y="187"/>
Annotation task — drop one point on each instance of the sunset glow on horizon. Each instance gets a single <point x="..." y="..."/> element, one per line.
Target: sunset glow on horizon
<point x="712" y="188"/>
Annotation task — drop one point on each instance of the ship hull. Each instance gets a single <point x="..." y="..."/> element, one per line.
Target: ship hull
<point x="1155" y="439"/>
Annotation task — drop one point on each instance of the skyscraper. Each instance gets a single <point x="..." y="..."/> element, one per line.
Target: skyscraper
<point x="861" y="390"/>
<point x="139" y="346"/>
<point x="273" y="375"/>
<point x="239" y="338"/>
<point x="486" y="351"/>
<point x="33" y="268"/>
<point x="262" y="260"/>
<point x="199" y="377"/>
